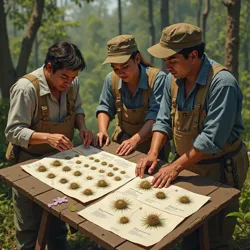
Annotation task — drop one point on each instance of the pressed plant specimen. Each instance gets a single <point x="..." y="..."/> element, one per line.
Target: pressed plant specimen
<point x="117" y="178"/>
<point x="110" y="165"/>
<point x="102" y="171"/>
<point x="93" y="168"/>
<point x="124" y="220"/>
<point x="184" y="199"/>
<point x="56" y="163"/>
<point x="78" y="162"/>
<point x="104" y="163"/>
<point x="86" y="165"/>
<point x="97" y="160"/>
<point x="51" y="176"/>
<point x="115" y="168"/>
<point x="41" y="169"/>
<point x="87" y="192"/>
<point x="160" y="195"/>
<point x="89" y="178"/>
<point x="63" y="180"/>
<point x="123" y="172"/>
<point x="153" y="220"/>
<point x="120" y="204"/>
<point x="91" y="158"/>
<point x="145" y="185"/>
<point x="77" y="173"/>
<point x="66" y="169"/>
<point x="102" y="184"/>
<point x="74" y="186"/>
<point x="110" y="174"/>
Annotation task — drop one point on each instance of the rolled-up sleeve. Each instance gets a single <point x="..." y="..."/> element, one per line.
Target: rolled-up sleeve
<point x="223" y="105"/>
<point x="155" y="98"/>
<point x="163" y="121"/>
<point x="22" y="107"/>
<point x="107" y="100"/>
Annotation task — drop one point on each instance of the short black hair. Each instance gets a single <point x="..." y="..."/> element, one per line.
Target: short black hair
<point x="200" y="49"/>
<point x="65" y="55"/>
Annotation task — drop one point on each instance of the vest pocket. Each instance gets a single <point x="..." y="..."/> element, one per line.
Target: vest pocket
<point x="183" y="141"/>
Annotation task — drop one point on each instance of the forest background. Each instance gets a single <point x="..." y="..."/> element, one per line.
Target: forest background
<point x="29" y="27"/>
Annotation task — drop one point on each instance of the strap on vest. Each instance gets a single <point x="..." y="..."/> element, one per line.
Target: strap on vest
<point x="151" y="75"/>
<point x="201" y="95"/>
<point x="42" y="101"/>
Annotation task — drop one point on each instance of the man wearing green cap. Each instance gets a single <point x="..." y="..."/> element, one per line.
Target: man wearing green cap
<point x="133" y="91"/>
<point x="201" y="112"/>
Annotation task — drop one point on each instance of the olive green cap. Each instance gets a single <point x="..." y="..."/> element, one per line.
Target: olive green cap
<point x="176" y="37"/>
<point x="120" y="48"/>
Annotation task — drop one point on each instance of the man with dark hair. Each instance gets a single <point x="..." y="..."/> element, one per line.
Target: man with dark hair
<point x="201" y="112"/>
<point x="45" y="107"/>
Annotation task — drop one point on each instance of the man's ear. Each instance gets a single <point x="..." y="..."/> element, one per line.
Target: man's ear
<point x="49" y="67"/>
<point x="138" y="58"/>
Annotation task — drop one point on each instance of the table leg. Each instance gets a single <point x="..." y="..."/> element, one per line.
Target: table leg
<point x="204" y="238"/>
<point x="43" y="231"/>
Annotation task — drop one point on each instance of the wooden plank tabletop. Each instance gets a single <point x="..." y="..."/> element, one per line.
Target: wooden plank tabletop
<point x="43" y="194"/>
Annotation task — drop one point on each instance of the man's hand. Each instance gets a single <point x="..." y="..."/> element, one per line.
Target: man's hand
<point x="100" y="138"/>
<point x="165" y="176"/>
<point x="150" y="160"/>
<point x="86" y="136"/>
<point x="59" y="141"/>
<point x="127" y="147"/>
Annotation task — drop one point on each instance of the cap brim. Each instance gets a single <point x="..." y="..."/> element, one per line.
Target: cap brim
<point x="116" y="59"/>
<point x="161" y="52"/>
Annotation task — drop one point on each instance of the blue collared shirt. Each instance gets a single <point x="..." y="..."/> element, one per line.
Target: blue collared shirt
<point x="107" y="100"/>
<point x="223" y="105"/>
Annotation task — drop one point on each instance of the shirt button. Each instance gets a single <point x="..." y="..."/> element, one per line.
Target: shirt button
<point x="228" y="161"/>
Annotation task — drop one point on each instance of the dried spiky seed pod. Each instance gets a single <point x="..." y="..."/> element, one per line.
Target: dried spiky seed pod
<point x="56" y="163"/>
<point x="66" y="169"/>
<point x="145" y="185"/>
<point x="110" y="174"/>
<point x="77" y="173"/>
<point x="89" y="178"/>
<point x="93" y="168"/>
<point x="161" y="195"/>
<point x="97" y="160"/>
<point x="102" y="171"/>
<point x="121" y="204"/>
<point x="88" y="192"/>
<point x="91" y="158"/>
<point x="63" y="180"/>
<point x="41" y="169"/>
<point x="184" y="200"/>
<point x="74" y="186"/>
<point x="123" y="172"/>
<point x="153" y="221"/>
<point x="86" y="165"/>
<point x="51" y="176"/>
<point x="104" y="163"/>
<point x="78" y="162"/>
<point x="115" y="168"/>
<point x="124" y="220"/>
<point x="102" y="184"/>
<point x="117" y="178"/>
<point x="110" y="165"/>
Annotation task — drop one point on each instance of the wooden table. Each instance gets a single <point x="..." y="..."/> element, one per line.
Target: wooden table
<point x="43" y="194"/>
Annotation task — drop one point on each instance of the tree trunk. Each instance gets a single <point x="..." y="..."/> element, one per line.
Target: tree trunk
<point x="151" y="26"/>
<point x="33" y="26"/>
<point x="164" y="22"/>
<point x="204" y="19"/>
<point x="198" y="17"/>
<point x="7" y="71"/>
<point x="119" y="17"/>
<point x="232" y="36"/>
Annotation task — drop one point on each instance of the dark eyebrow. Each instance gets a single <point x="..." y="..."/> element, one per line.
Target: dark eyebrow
<point x="122" y="65"/>
<point x="68" y="76"/>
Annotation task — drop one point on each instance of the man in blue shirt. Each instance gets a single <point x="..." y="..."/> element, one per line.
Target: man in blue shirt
<point x="201" y="112"/>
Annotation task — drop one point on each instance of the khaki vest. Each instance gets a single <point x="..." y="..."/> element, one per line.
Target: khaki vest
<point x="130" y="121"/>
<point x="65" y="127"/>
<point x="187" y="125"/>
